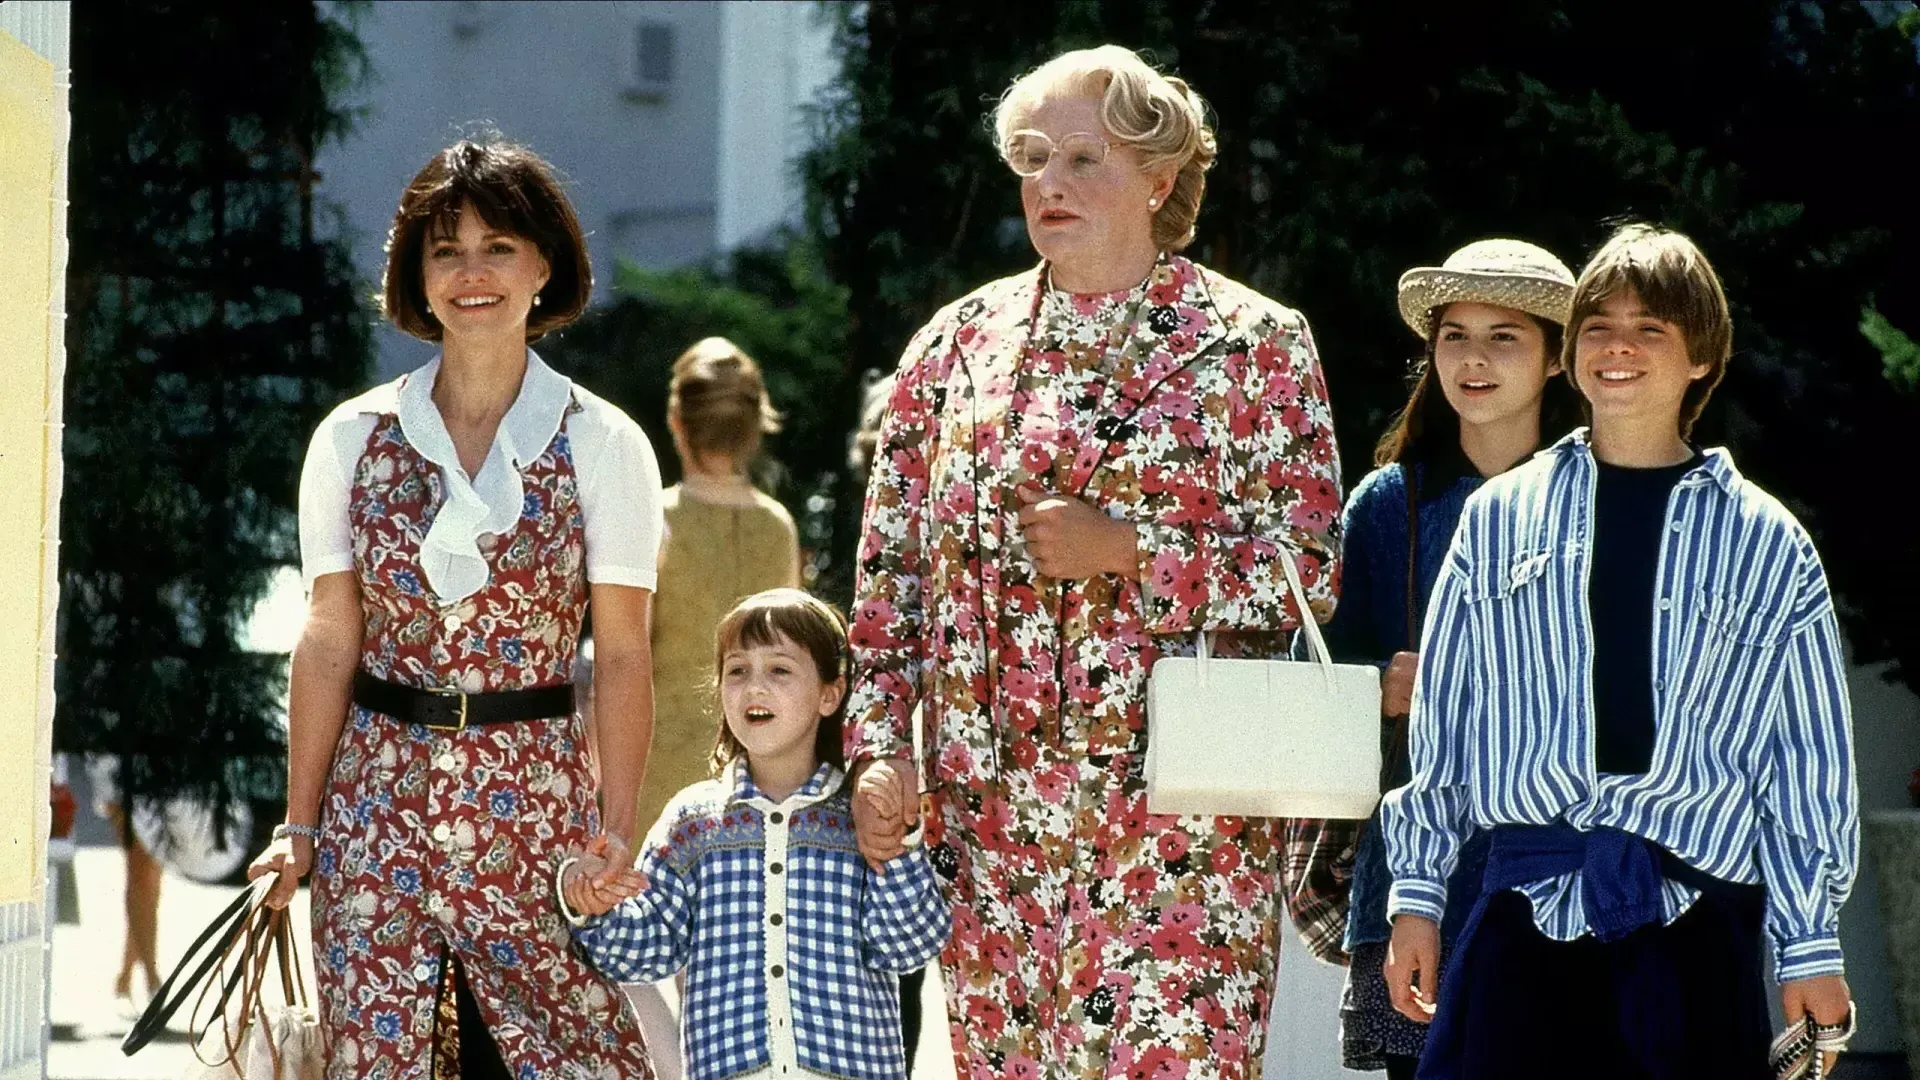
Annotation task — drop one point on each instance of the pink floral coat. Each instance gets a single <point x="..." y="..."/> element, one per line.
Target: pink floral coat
<point x="1091" y="938"/>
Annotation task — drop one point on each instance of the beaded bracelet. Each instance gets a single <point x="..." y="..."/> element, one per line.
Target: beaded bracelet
<point x="281" y="832"/>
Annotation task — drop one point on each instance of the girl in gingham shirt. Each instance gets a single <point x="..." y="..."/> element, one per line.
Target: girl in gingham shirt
<point x="752" y="882"/>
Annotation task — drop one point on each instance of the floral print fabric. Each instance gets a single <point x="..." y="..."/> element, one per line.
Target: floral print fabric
<point x="437" y="840"/>
<point x="1091" y="938"/>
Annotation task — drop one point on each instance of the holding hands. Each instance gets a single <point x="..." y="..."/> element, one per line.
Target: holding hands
<point x="885" y="809"/>
<point x="600" y="877"/>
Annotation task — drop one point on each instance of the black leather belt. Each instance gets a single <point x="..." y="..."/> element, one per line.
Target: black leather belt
<point x="449" y="710"/>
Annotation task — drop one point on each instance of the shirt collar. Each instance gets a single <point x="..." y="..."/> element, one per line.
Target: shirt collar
<point x="488" y="502"/>
<point x="1716" y="464"/>
<point x="825" y="781"/>
<point x="528" y="427"/>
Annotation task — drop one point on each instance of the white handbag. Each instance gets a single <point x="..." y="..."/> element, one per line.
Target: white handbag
<point x="1264" y="738"/>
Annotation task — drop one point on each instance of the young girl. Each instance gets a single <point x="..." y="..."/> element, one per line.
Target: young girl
<point x="1492" y="320"/>
<point x="752" y="881"/>
<point x="726" y="541"/>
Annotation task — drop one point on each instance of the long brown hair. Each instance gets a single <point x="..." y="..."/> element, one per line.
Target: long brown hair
<point x="809" y="622"/>
<point x="1426" y="425"/>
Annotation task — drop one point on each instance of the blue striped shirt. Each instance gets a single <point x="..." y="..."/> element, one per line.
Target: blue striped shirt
<point x="1752" y="777"/>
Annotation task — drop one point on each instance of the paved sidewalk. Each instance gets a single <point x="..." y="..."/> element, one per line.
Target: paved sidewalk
<point x="88" y="1022"/>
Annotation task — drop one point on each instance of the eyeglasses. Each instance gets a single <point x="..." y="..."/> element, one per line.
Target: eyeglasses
<point x="1027" y="152"/>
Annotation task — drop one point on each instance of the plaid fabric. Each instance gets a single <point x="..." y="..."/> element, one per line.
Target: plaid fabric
<point x="790" y="943"/>
<point x="1316" y="874"/>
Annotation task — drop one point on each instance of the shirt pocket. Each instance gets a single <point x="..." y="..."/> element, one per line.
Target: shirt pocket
<point x="1518" y="577"/>
<point x="1515" y="607"/>
<point x="1732" y="635"/>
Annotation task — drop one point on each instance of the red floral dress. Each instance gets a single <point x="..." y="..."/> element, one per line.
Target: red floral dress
<point x="1091" y="938"/>
<point x="436" y="841"/>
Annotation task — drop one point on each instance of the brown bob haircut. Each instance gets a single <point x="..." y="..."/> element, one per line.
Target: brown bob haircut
<point x="809" y="622"/>
<point x="1676" y="284"/>
<point x="514" y="191"/>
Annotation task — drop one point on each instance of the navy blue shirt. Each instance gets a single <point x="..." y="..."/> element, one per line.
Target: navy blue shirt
<point x="1629" y="509"/>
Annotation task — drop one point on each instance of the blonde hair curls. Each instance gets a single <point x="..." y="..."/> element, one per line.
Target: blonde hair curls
<point x="1159" y="115"/>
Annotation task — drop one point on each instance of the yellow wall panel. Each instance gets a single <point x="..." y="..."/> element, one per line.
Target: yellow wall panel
<point x="30" y="122"/>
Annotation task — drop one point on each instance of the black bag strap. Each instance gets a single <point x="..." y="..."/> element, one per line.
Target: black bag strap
<point x="167" y="1000"/>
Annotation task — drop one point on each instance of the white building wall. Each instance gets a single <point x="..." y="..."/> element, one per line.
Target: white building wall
<point x="642" y="160"/>
<point x="775" y="58"/>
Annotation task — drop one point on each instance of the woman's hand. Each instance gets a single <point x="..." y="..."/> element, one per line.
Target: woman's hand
<point x="1825" y="998"/>
<point x="1413" y="967"/>
<point x="600" y="877"/>
<point x="1070" y="540"/>
<point x="885" y="808"/>
<point x="290" y="857"/>
<point x="1396" y="685"/>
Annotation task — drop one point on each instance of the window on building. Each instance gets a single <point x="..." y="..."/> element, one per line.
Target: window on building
<point x="652" y="75"/>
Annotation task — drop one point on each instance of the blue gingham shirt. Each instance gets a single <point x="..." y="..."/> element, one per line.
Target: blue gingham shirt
<point x="791" y="944"/>
<point x="1752" y="778"/>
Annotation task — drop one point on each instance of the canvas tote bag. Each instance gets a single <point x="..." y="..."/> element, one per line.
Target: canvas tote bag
<point x="1264" y="738"/>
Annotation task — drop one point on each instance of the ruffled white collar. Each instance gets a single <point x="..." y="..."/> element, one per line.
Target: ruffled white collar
<point x="490" y="502"/>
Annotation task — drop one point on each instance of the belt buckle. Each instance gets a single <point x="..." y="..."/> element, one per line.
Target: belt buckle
<point x="462" y="725"/>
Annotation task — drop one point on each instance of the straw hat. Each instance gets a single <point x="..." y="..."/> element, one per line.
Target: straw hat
<point x="1504" y="273"/>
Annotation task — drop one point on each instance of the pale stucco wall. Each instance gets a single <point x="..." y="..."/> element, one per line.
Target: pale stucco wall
<point x="33" y="185"/>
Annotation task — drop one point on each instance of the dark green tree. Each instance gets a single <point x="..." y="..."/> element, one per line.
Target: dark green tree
<point x="776" y="303"/>
<point x="1359" y="139"/>
<point x="211" y="324"/>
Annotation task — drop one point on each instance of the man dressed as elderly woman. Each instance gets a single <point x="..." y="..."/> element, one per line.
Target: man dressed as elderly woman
<point x="1083" y="466"/>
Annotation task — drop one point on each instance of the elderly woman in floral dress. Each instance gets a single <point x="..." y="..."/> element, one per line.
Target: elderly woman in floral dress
<point x="1084" y="466"/>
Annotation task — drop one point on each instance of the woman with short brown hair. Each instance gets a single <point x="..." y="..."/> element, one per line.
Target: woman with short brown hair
<point x="455" y="525"/>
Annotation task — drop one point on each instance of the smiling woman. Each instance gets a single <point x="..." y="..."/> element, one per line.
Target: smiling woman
<point x="454" y="526"/>
<point x="494" y="206"/>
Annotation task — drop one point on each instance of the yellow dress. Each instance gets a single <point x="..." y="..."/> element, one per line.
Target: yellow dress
<point x="716" y="555"/>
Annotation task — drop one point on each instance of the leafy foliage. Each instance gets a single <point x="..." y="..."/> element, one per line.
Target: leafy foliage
<point x="1360" y="139"/>
<point x="777" y="304"/>
<point x="1901" y="353"/>
<point x="209" y="325"/>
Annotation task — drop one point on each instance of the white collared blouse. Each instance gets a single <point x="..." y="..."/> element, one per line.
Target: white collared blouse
<point x="614" y="465"/>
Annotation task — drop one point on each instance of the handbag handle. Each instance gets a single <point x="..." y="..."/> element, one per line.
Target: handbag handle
<point x="225" y="927"/>
<point x="1317" y="643"/>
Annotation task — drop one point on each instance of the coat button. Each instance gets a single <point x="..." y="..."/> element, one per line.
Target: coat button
<point x="776" y="918"/>
<point x="442" y="832"/>
<point x="775" y="868"/>
<point x="776" y="817"/>
<point x="776" y="971"/>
